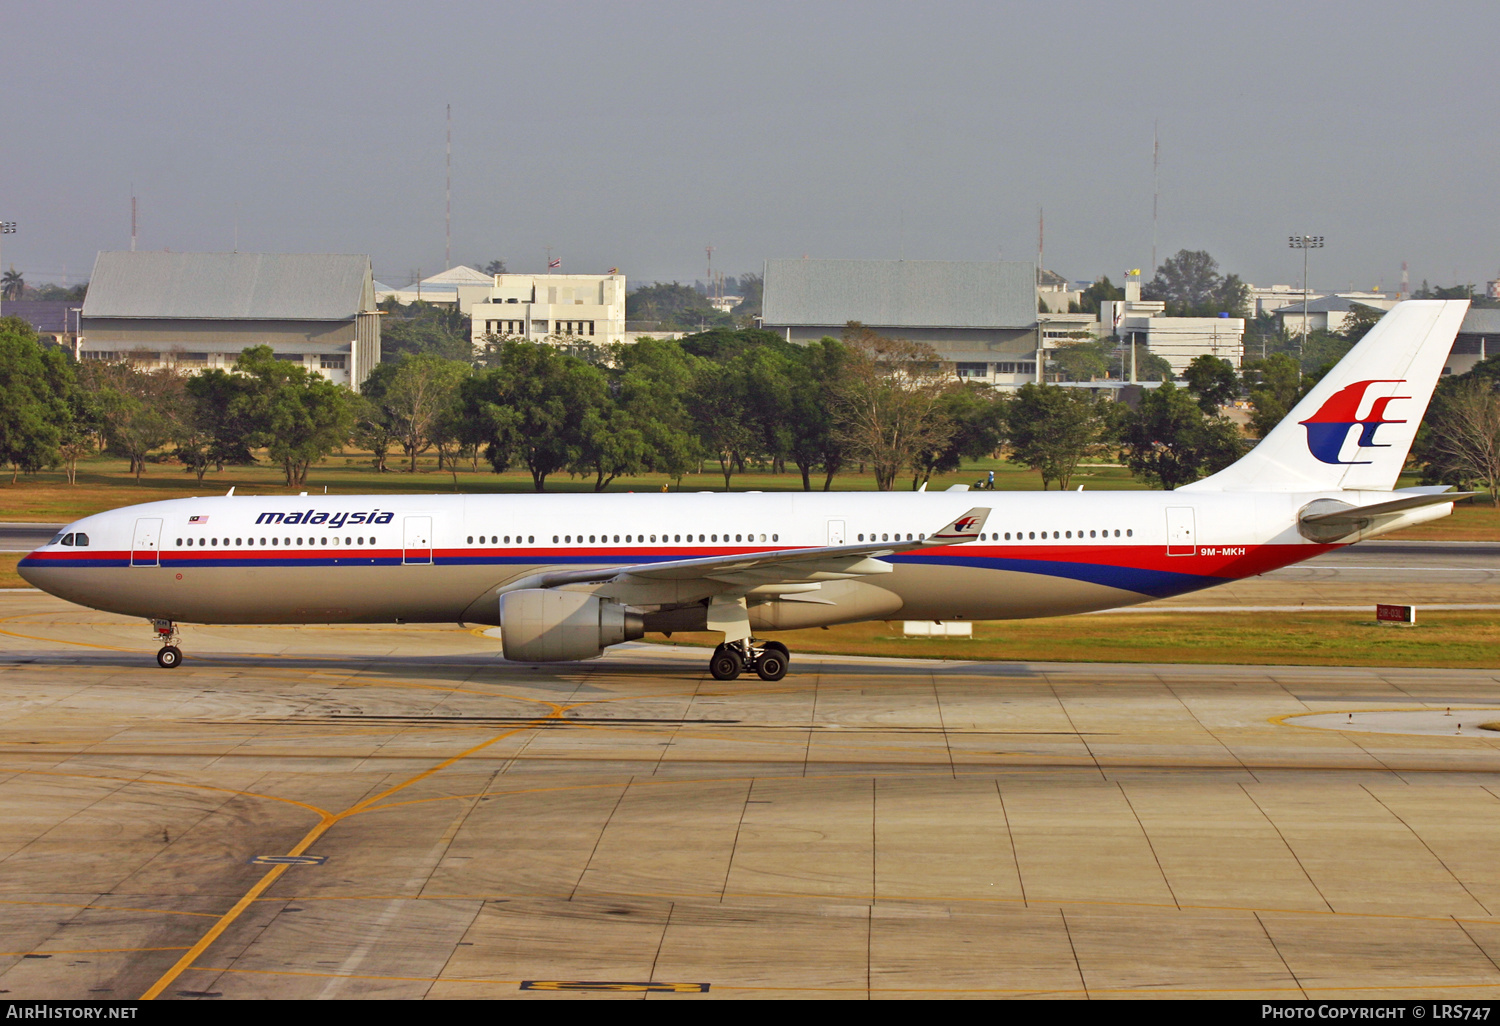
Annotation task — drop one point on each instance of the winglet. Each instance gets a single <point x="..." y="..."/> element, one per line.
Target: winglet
<point x="965" y="528"/>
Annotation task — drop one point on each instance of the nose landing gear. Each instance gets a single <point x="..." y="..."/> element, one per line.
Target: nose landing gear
<point x="170" y="656"/>
<point x="768" y="659"/>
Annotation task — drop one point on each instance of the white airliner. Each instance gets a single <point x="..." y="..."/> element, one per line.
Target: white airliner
<point x="566" y="576"/>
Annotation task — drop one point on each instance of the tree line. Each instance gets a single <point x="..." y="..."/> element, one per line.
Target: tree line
<point x="723" y="401"/>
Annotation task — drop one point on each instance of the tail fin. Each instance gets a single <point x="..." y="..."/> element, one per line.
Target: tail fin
<point x="1381" y="388"/>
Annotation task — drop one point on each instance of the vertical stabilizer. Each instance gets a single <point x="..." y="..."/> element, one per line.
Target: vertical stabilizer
<point x="1354" y="429"/>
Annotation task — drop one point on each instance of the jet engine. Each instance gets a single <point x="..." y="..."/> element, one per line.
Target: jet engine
<point x="538" y="625"/>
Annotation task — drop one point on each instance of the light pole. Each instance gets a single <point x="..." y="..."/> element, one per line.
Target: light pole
<point x="7" y="228"/>
<point x="1304" y="243"/>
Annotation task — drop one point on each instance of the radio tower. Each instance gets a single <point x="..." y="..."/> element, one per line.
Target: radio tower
<point x="1041" y="243"/>
<point x="448" y="197"/>
<point x="708" y="283"/>
<point x="1155" y="188"/>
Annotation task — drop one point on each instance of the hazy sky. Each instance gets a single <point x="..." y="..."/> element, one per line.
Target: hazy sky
<point x="634" y="134"/>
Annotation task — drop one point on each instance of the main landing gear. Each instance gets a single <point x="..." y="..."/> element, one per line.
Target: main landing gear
<point x="768" y="659"/>
<point x="170" y="656"/>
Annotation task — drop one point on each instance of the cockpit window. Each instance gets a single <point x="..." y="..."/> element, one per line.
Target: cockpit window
<point x="56" y="540"/>
<point x="67" y="539"/>
<point x="80" y="539"/>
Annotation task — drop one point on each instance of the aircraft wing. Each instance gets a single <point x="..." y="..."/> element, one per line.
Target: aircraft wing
<point x="1413" y="498"/>
<point x="777" y="566"/>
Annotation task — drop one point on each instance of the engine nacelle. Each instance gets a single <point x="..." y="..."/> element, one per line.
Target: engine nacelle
<point x="538" y="625"/>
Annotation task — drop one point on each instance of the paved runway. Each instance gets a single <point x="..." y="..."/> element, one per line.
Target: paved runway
<point x="466" y="827"/>
<point x="23" y="537"/>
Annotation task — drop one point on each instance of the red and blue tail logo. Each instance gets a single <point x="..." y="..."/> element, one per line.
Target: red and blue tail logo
<point x="964" y="523"/>
<point x="1328" y="429"/>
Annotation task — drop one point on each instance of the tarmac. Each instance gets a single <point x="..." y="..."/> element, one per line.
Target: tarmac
<point x="361" y="812"/>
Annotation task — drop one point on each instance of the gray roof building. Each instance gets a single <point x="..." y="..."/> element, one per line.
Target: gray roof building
<point x="900" y="293"/>
<point x="198" y="310"/>
<point x="980" y="316"/>
<point x="1478" y="338"/>
<point x="231" y="286"/>
<point x="48" y="316"/>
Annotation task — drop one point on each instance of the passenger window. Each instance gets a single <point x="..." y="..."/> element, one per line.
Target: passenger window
<point x="713" y="537"/>
<point x="238" y="542"/>
<point x="1129" y="533"/>
<point x="774" y="537"/>
<point x="677" y="537"/>
<point x="529" y="539"/>
<point x="1033" y="534"/>
<point x="273" y="541"/>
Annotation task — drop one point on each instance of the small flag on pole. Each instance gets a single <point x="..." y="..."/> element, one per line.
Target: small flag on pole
<point x="554" y="263"/>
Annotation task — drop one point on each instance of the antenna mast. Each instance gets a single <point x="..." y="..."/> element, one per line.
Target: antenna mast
<point x="1041" y="243"/>
<point x="448" y="197"/>
<point x="1155" y="188"/>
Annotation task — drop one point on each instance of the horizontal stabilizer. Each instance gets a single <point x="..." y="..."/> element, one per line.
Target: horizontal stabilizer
<point x="1354" y="514"/>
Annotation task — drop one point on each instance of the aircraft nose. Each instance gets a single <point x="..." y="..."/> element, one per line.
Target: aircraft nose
<point x="30" y="569"/>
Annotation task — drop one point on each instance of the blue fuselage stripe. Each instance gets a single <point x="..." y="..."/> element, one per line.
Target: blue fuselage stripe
<point x="1143" y="581"/>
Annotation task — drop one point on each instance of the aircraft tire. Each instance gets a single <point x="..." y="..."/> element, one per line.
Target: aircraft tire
<point x="771" y="665"/>
<point x="726" y="664"/>
<point x="169" y="658"/>
<point x="777" y="646"/>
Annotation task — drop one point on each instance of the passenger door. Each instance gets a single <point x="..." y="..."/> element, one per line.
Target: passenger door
<point x="418" y="543"/>
<point x="1181" y="538"/>
<point x="145" y="547"/>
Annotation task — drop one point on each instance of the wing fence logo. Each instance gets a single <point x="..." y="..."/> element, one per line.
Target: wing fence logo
<point x="1329" y="427"/>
